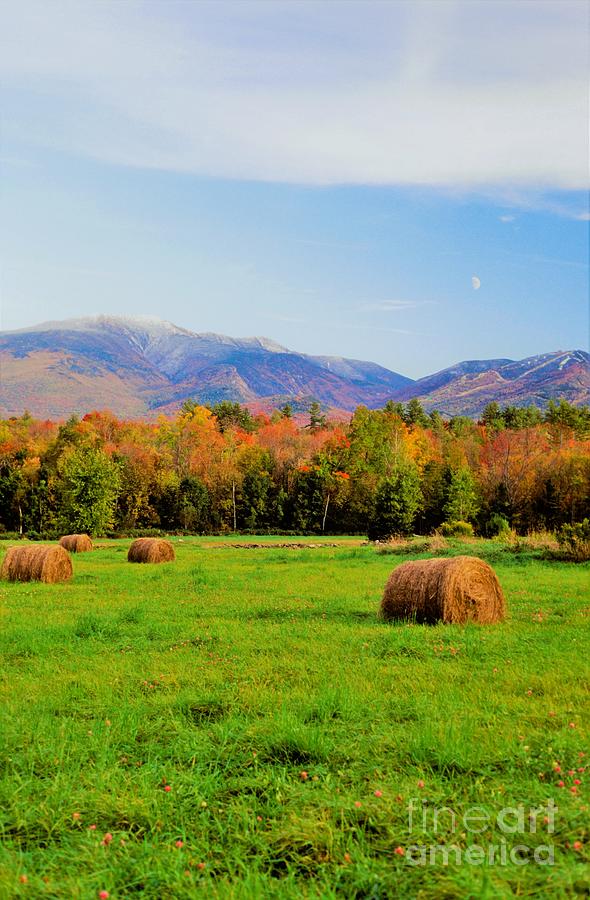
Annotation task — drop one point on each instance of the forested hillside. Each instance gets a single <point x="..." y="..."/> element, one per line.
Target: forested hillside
<point x="394" y="470"/>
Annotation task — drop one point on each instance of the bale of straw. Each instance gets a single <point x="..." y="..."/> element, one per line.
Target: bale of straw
<point x="48" y="563"/>
<point x="150" y="550"/>
<point x="76" y="543"/>
<point x="456" y="590"/>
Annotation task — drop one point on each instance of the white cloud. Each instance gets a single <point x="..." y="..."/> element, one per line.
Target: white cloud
<point x="507" y="218"/>
<point x="452" y="94"/>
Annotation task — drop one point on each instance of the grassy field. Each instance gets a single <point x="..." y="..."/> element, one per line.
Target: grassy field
<point x="240" y="724"/>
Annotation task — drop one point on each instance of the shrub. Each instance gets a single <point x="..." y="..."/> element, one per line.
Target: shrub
<point x="10" y="536"/>
<point x="42" y="535"/>
<point x="574" y="540"/>
<point x="497" y="526"/>
<point x="140" y="532"/>
<point x="456" y="529"/>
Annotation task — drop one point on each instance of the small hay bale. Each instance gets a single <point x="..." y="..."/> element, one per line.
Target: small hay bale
<point x="456" y="590"/>
<point x="76" y="543"/>
<point x="151" y="550"/>
<point x="43" y="562"/>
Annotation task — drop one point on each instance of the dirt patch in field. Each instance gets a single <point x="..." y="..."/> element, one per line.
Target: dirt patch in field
<point x="289" y="546"/>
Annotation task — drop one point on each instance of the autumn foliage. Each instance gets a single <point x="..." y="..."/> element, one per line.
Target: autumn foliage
<point x="220" y="469"/>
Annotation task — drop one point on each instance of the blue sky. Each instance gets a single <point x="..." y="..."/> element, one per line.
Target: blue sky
<point x="331" y="175"/>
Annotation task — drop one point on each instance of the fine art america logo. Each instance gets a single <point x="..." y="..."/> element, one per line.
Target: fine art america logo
<point x="513" y="830"/>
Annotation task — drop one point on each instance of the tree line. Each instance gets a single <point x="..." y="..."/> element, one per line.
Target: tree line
<point x="397" y="470"/>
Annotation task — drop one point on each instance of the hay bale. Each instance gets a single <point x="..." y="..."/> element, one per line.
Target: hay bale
<point x="150" y="550"/>
<point x="76" y="543"/>
<point x="47" y="563"/>
<point x="457" y="590"/>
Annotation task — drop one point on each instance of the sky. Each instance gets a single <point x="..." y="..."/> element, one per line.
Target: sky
<point x="401" y="182"/>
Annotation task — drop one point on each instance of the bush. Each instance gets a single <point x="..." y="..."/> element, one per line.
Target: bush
<point x="42" y="535"/>
<point x="140" y="532"/>
<point x="497" y="526"/>
<point x="456" y="529"/>
<point x="574" y="541"/>
<point x="10" y="536"/>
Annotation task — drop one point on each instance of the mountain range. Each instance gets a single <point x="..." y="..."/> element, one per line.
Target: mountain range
<point x="142" y="367"/>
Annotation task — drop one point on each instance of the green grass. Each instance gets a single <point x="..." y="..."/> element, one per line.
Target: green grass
<point x="227" y="674"/>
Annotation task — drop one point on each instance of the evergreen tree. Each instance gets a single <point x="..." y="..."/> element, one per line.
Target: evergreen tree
<point x="394" y="409"/>
<point x="492" y="416"/>
<point x="435" y="421"/>
<point x="461" y="501"/>
<point x="397" y="503"/>
<point x="193" y="504"/>
<point x="253" y="501"/>
<point x="415" y="415"/>
<point x="230" y="415"/>
<point x="316" y="418"/>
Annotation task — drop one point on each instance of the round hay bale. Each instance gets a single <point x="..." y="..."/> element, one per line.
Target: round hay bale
<point x="456" y="590"/>
<point x="76" y="543"/>
<point x="151" y="550"/>
<point x="47" y="563"/>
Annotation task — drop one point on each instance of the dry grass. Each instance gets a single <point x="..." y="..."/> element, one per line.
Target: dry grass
<point x="151" y="550"/>
<point x="76" y="543"/>
<point x="457" y="590"/>
<point x="437" y="543"/>
<point x="46" y="563"/>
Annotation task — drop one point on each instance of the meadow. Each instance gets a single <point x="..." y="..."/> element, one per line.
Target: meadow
<point x="239" y="723"/>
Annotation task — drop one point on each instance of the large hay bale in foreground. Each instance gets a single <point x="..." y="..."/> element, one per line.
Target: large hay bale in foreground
<point x="457" y="590"/>
<point x="151" y="550"/>
<point x="42" y="562"/>
<point x="76" y="543"/>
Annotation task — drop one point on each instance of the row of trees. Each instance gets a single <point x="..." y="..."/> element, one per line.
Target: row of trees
<point x="394" y="470"/>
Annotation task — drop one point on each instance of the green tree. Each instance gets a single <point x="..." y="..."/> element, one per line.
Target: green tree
<point x="232" y="415"/>
<point x="433" y="486"/>
<point x="397" y="503"/>
<point x="13" y="491"/>
<point x="308" y="499"/>
<point x="521" y="416"/>
<point x="491" y="416"/>
<point x="435" y="421"/>
<point x="316" y="418"/>
<point x="461" y="426"/>
<point x="461" y="501"/>
<point x="253" y="505"/>
<point x="89" y="484"/>
<point x="394" y="409"/>
<point x="415" y="415"/>
<point x="193" y="504"/>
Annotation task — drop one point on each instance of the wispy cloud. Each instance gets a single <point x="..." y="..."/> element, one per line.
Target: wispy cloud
<point x="365" y="326"/>
<point x="394" y="305"/>
<point x="527" y="258"/>
<point x="314" y="93"/>
<point x="16" y="162"/>
<point x="572" y="206"/>
<point x="290" y="320"/>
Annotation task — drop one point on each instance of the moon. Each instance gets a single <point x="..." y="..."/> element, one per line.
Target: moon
<point x="475" y="283"/>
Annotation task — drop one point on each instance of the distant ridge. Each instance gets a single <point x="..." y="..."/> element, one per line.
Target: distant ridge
<point x="466" y="388"/>
<point x="142" y="367"/>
